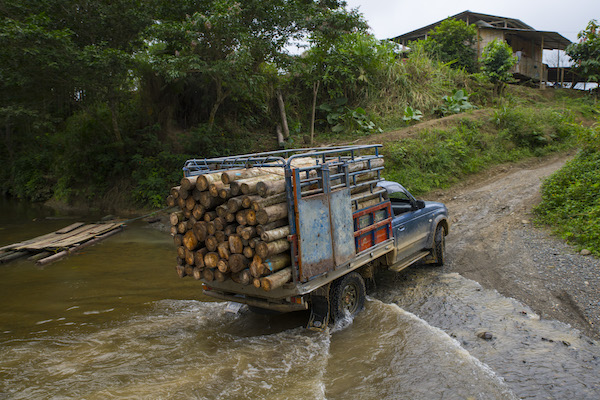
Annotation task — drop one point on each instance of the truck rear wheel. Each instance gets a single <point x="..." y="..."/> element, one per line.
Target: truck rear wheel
<point x="347" y="296"/>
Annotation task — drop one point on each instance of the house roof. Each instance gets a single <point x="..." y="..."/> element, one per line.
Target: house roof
<point x="552" y="40"/>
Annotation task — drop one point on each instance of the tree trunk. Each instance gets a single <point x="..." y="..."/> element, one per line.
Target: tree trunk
<point x="221" y="96"/>
<point x="284" y="124"/>
<point x="314" y="110"/>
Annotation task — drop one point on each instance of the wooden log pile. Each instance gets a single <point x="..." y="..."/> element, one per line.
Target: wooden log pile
<point x="233" y="225"/>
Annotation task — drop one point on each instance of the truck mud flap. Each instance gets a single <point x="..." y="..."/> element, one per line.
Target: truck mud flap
<point x="319" y="309"/>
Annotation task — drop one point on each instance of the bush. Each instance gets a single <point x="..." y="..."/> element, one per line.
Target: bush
<point x="571" y="196"/>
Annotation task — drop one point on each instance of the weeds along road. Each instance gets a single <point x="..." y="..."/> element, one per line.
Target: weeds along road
<point x="493" y="241"/>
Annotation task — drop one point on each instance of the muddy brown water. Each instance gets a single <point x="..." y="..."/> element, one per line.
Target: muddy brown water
<point x="115" y="321"/>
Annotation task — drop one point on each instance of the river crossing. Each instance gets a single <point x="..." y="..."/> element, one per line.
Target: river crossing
<point x="115" y="321"/>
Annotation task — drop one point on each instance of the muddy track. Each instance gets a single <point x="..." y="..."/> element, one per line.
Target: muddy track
<point x="493" y="242"/>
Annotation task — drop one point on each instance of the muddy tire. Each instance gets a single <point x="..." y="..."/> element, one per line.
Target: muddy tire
<point x="439" y="245"/>
<point x="347" y="296"/>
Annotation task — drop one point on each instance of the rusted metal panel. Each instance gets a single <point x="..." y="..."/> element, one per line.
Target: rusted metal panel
<point x="315" y="251"/>
<point x="342" y="226"/>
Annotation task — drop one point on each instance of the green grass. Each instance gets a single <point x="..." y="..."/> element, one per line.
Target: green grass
<point x="571" y="196"/>
<point x="439" y="158"/>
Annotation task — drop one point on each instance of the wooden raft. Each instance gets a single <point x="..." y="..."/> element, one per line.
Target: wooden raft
<point x="56" y="245"/>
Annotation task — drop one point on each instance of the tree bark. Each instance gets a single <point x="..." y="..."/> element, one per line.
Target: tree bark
<point x="277" y="233"/>
<point x="284" y="124"/>
<point x="268" y="249"/>
<point x="314" y="110"/>
<point x="276" y="280"/>
<point x="272" y="213"/>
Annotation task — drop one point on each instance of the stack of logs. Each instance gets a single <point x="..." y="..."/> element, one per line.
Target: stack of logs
<point x="234" y="224"/>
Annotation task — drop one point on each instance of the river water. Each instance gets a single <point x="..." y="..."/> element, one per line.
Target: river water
<point x="115" y="321"/>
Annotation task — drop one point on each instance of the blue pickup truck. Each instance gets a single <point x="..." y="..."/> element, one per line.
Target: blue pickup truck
<point x="345" y="222"/>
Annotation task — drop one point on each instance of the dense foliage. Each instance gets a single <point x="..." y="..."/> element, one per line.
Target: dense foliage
<point x="571" y="197"/>
<point x="452" y="42"/>
<point x="586" y="53"/>
<point x="496" y="62"/>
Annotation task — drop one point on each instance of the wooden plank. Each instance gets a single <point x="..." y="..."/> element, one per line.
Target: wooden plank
<point x="69" y="228"/>
<point x="49" y="240"/>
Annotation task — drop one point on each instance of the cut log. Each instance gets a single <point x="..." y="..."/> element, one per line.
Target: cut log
<point x="260" y="229"/>
<point x="220" y="223"/>
<point x="268" y="249"/>
<point x="181" y="202"/>
<point x="184" y="193"/>
<point x="247" y="200"/>
<point x="175" y="192"/>
<point x="230" y="217"/>
<point x="182" y="227"/>
<point x="364" y="164"/>
<point x="180" y="269"/>
<point x="181" y="252"/>
<point x="243" y="277"/>
<point x="248" y="252"/>
<point x="173" y="231"/>
<point x="270" y="188"/>
<point x="189" y="257"/>
<point x="225" y="193"/>
<point x="253" y="242"/>
<point x="235" y="175"/>
<point x="220" y="276"/>
<point x="236" y="246"/>
<point x="190" y="241"/>
<point x="274" y="234"/>
<point x="230" y="229"/>
<point x="248" y="232"/>
<point x="221" y="236"/>
<point x="209" y="216"/>
<point x="171" y="201"/>
<point x="190" y="203"/>
<point x="249" y="186"/>
<point x="188" y="182"/>
<point x="223" y="250"/>
<point x="256" y="282"/>
<point x="198" y="211"/>
<point x="189" y="270"/>
<point x="223" y="266"/>
<point x="187" y="213"/>
<point x="272" y="213"/>
<point x="257" y="269"/>
<point x="277" y="262"/>
<point x="211" y="260"/>
<point x="208" y="275"/>
<point x="214" y="188"/>
<point x="242" y="216"/>
<point x="176" y="217"/>
<point x="196" y="194"/>
<point x="263" y="202"/>
<point x="210" y="202"/>
<point x="211" y="243"/>
<point x="238" y="262"/>
<point x="234" y="204"/>
<point x="200" y="230"/>
<point x="190" y="223"/>
<point x="276" y="280"/>
<point x="205" y="180"/>
<point x="210" y="228"/>
<point x="221" y="210"/>
<point x="197" y="273"/>
<point x="178" y="240"/>
<point x="199" y="257"/>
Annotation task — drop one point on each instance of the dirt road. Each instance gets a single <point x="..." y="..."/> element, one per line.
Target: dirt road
<point x="493" y="242"/>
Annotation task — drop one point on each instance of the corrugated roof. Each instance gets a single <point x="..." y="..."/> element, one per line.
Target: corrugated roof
<point x="552" y="40"/>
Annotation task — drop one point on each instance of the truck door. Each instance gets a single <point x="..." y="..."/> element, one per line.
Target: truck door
<point x="410" y="226"/>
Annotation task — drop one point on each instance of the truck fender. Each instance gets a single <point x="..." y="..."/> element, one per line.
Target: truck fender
<point x="439" y="220"/>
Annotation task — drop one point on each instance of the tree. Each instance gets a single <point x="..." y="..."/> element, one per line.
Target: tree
<point x="452" y="42"/>
<point x="496" y="62"/>
<point x="586" y="53"/>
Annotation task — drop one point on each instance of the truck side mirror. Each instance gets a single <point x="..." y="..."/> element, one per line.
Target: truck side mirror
<point x="420" y="204"/>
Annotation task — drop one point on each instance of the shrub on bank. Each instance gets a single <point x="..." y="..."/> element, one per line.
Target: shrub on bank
<point x="571" y="196"/>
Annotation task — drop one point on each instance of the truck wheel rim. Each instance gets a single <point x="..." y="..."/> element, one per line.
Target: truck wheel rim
<point x="349" y="298"/>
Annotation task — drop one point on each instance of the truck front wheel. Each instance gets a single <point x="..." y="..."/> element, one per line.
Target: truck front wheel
<point x="347" y="296"/>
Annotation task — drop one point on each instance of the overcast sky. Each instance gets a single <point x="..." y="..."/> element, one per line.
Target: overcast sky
<point x="389" y="18"/>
